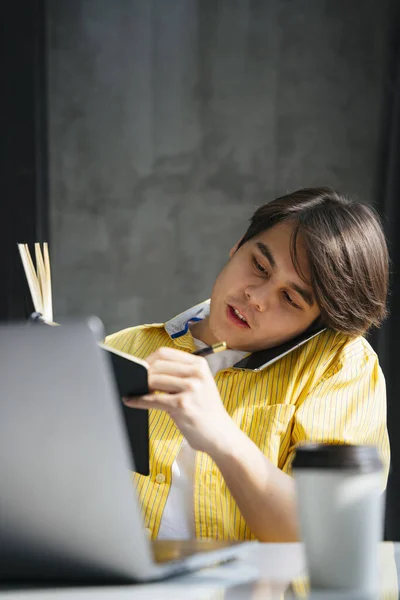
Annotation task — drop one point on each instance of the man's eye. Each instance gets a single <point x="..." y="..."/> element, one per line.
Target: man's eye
<point x="289" y="300"/>
<point x="259" y="267"/>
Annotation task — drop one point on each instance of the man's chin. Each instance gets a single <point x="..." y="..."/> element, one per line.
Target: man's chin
<point x="235" y="343"/>
<point x="246" y="345"/>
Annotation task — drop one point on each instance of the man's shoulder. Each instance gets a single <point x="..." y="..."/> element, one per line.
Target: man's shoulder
<point x="138" y="340"/>
<point x="142" y="340"/>
<point x="338" y="350"/>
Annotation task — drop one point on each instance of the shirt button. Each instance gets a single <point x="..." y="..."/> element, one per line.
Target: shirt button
<point x="160" y="478"/>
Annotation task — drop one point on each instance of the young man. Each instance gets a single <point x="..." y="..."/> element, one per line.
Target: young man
<point x="223" y="433"/>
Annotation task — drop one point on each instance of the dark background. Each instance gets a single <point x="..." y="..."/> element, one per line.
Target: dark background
<point x="154" y="127"/>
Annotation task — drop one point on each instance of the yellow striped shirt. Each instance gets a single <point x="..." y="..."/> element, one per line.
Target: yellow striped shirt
<point x="330" y="389"/>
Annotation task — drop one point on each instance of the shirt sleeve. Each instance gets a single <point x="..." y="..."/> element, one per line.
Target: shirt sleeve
<point x="348" y="405"/>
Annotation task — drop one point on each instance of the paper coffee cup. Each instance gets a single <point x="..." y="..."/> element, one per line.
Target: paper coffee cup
<point x="341" y="509"/>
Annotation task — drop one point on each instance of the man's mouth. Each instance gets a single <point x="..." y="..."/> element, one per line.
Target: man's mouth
<point x="236" y="317"/>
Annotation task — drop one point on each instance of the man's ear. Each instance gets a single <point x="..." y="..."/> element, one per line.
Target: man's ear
<point x="235" y="247"/>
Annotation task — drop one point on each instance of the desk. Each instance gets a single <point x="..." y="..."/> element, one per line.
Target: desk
<point x="264" y="574"/>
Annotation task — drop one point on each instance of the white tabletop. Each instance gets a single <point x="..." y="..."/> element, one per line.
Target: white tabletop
<point x="265" y="573"/>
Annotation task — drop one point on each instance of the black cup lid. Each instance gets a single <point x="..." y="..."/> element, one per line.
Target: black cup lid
<point x="364" y="459"/>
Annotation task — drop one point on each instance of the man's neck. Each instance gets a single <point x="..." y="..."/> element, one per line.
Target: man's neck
<point x="201" y="331"/>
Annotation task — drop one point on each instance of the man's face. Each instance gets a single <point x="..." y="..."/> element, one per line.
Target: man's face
<point x="259" y="300"/>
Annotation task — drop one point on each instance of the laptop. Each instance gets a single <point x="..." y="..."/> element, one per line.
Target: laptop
<point x="69" y="511"/>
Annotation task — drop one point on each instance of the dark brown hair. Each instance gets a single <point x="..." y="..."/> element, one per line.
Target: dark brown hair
<point x="346" y="250"/>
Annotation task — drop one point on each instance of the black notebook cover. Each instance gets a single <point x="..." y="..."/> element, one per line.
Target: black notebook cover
<point x="131" y="380"/>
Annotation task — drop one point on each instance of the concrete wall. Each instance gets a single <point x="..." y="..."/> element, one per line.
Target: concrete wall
<point x="171" y="120"/>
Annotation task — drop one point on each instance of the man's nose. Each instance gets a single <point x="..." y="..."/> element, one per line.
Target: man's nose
<point x="257" y="296"/>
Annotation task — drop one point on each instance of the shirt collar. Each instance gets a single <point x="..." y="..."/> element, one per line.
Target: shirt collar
<point x="256" y="361"/>
<point x="179" y="325"/>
